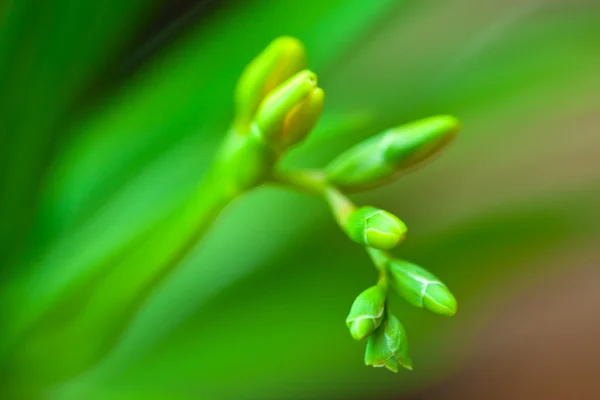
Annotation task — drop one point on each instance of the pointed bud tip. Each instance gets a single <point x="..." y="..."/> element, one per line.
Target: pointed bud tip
<point x="413" y="142"/>
<point x="289" y="43"/>
<point x="308" y="77"/>
<point x="300" y="78"/>
<point x="407" y="364"/>
<point x="318" y="95"/>
<point x="439" y="300"/>
<point x="446" y="122"/>
<point x="392" y="365"/>
<point x="281" y="59"/>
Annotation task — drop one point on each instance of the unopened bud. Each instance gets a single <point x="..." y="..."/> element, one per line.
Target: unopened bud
<point x="388" y="346"/>
<point x="422" y="289"/>
<point x="270" y="119"/>
<point x="384" y="156"/>
<point x="284" y="57"/>
<point x="373" y="227"/>
<point x="302" y="119"/>
<point x="367" y="312"/>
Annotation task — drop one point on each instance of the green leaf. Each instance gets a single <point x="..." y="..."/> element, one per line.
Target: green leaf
<point x="49" y="57"/>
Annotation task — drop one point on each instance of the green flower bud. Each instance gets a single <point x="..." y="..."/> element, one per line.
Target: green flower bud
<point x="422" y="289"/>
<point x="284" y="57"/>
<point x="384" y="156"/>
<point x="367" y="312"/>
<point x="302" y="119"/>
<point x="388" y="346"/>
<point x="280" y="106"/>
<point x="372" y="227"/>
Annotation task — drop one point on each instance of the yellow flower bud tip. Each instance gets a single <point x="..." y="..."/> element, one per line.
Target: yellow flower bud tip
<point x="438" y="299"/>
<point x="282" y="58"/>
<point x="303" y="118"/>
<point x="275" y="108"/>
<point x="410" y="144"/>
<point x="370" y="226"/>
<point x="287" y="47"/>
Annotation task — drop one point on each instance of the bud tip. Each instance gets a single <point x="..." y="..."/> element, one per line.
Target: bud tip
<point x="439" y="300"/>
<point x="361" y="328"/>
<point x="372" y="227"/>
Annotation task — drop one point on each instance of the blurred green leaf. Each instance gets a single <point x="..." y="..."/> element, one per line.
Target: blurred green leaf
<point x="50" y="53"/>
<point x="120" y="154"/>
<point x="472" y="256"/>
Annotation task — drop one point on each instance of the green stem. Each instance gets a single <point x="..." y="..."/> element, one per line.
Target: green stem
<point x="315" y="182"/>
<point x="308" y="181"/>
<point x="95" y="312"/>
<point x="379" y="257"/>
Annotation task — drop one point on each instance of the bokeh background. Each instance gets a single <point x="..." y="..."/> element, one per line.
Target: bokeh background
<point x="110" y="113"/>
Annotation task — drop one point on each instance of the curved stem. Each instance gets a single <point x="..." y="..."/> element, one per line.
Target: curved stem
<point x="315" y="182"/>
<point x="96" y="308"/>
<point x="308" y="181"/>
<point x="380" y="259"/>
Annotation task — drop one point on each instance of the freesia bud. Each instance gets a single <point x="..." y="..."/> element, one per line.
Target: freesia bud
<point x="281" y="105"/>
<point x="367" y="312"/>
<point x="284" y="57"/>
<point x="388" y="346"/>
<point x="384" y="156"/>
<point x="372" y="227"/>
<point x="302" y="119"/>
<point x="422" y="289"/>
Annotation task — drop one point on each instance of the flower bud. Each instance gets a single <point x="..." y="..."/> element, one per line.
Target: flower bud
<point x="302" y="119"/>
<point x="278" y="110"/>
<point x="422" y="289"/>
<point x="384" y="156"/>
<point x="388" y="346"/>
<point x="284" y="57"/>
<point x="366" y="312"/>
<point x="372" y="227"/>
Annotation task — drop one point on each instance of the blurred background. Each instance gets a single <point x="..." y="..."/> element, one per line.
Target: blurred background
<point x="110" y="113"/>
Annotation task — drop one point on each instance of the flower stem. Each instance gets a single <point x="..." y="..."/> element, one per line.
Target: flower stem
<point x="97" y="308"/>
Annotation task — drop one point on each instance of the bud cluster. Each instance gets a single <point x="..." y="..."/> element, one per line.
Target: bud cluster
<point x="277" y="99"/>
<point x="278" y="102"/>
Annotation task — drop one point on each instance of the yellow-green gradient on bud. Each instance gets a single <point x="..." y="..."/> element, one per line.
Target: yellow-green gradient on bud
<point x="422" y="289"/>
<point x="413" y="143"/>
<point x="373" y="227"/>
<point x="275" y="108"/>
<point x="383" y="157"/>
<point x="302" y="119"/>
<point x="284" y="57"/>
<point x="367" y="312"/>
<point x="388" y="346"/>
